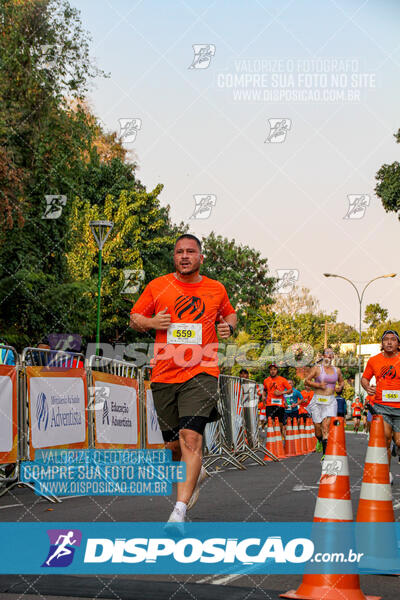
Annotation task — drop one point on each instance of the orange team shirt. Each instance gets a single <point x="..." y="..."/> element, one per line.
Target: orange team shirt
<point x="307" y="396"/>
<point x="276" y="383"/>
<point x="261" y="409"/>
<point x="356" y="408"/>
<point x="387" y="374"/>
<point x="199" y="306"/>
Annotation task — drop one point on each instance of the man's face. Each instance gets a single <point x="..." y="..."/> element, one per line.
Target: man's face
<point x="244" y="375"/>
<point x="187" y="257"/>
<point x="273" y="371"/>
<point x="390" y="343"/>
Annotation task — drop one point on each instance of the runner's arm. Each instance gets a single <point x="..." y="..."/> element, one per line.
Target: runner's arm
<point x="340" y="382"/>
<point x="370" y="389"/>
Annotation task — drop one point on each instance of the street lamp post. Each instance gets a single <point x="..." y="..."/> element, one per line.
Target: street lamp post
<point x="101" y="230"/>
<point x="360" y="299"/>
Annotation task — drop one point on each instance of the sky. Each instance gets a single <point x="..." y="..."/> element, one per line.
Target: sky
<point x="276" y="115"/>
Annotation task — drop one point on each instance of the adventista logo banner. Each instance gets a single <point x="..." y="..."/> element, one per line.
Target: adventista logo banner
<point x="116" y="421"/>
<point x="57" y="411"/>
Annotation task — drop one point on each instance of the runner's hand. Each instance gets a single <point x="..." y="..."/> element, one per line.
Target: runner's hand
<point x="223" y="329"/>
<point x="371" y="389"/>
<point x="162" y="320"/>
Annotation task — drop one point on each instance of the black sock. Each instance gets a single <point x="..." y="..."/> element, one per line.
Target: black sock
<point x="324" y="443"/>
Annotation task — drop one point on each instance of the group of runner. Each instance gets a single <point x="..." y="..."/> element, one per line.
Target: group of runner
<point x="187" y="310"/>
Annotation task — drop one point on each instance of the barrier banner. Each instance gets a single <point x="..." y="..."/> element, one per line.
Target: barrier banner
<point x="57" y="408"/>
<point x="154" y="438"/>
<point x="8" y="414"/>
<point x="116" y="411"/>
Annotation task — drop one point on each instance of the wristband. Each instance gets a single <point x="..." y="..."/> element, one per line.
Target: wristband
<point x="231" y="328"/>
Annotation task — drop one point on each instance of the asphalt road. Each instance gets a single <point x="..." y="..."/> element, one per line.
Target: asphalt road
<point x="284" y="491"/>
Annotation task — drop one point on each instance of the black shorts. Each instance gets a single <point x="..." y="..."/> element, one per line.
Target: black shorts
<point x="290" y="415"/>
<point x="275" y="411"/>
<point x="187" y="405"/>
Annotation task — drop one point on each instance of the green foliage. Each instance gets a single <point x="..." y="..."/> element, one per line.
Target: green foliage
<point x="374" y="315"/>
<point x="388" y="188"/>
<point x="241" y="270"/>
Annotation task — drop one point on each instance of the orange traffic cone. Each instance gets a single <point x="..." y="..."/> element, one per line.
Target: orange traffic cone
<point x="289" y="445"/>
<point x="296" y="437"/>
<point x="376" y="505"/>
<point x="280" y="452"/>
<point x="333" y="504"/>
<point x="309" y="435"/>
<point x="270" y="444"/>
<point x="303" y="441"/>
<point x="313" y="443"/>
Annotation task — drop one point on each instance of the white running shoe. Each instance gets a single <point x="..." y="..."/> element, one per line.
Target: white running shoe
<point x="175" y="526"/>
<point x="195" y="496"/>
<point x="390" y="478"/>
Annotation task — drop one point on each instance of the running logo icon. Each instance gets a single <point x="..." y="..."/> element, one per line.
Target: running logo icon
<point x="203" y="205"/>
<point x="133" y="281"/>
<point x="128" y="129"/>
<point x="278" y="129"/>
<point x="42" y="412"/>
<point x="203" y="54"/>
<point x="54" y="206"/>
<point x="63" y="543"/>
<point x="286" y="280"/>
<point x="358" y="204"/>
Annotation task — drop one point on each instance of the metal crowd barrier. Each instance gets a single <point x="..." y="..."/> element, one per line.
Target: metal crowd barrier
<point x="233" y="439"/>
<point x="46" y="359"/>
<point x="152" y="436"/>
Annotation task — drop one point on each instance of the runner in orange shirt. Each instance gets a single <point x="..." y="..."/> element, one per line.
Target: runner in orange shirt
<point x="262" y="414"/>
<point x="275" y="387"/>
<point x="386" y="369"/>
<point x="356" y="410"/>
<point x="184" y="308"/>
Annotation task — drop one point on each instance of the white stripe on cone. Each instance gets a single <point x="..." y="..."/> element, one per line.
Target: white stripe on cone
<point x="376" y="491"/>
<point x="335" y="465"/>
<point x="376" y="455"/>
<point x="333" y="509"/>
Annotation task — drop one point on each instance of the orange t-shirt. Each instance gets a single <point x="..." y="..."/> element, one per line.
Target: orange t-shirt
<point x="387" y="374"/>
<point x="199" y="305"/>
<point x="276" y="383"/>
<point x="307" y="396"/>
<point x="356" y="408"/>
<point x="261" y="409"/>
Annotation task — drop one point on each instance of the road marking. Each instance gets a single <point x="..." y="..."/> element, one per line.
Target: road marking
<point x="300" y="487"/>
<point x="10" y="506"/>
<point x="218" y="580"/>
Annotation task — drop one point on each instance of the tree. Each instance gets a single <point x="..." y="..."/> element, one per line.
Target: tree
<point x="388" y="188"/>
<point x="374" y="315"/>
<point x="139" y="242"/>
<point x="299" y="300"/>
<point x="241" y="270"/>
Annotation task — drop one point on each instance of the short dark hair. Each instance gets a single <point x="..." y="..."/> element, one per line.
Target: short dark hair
<point x="189" y="236"/>
<point x="244" y="371"/>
